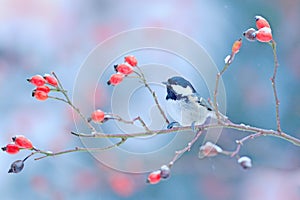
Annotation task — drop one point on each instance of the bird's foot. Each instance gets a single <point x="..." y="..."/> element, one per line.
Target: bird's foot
<point x="193" y="126"/>
<point x="172" y="124"/>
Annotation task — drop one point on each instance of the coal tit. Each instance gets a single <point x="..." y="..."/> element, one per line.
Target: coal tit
<point x="184" y="105"/>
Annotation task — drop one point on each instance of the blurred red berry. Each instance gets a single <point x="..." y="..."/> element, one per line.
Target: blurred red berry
<point x="236" y="46"/>
<point x="37" y="80"/>
<point x="40" y="95"/>
<point x="115" y="79"/>
<point x="51" y="80"/>
<point x="124" y="69"/>
<point x="11" y="148"/>
<point x="22" y="142"/>
<point x="117" y="182"/>
<point x="264" y="34"/>
<point x="261" y="22"/>
<point x="98" y="116"/>
<point x="43" y="88"/>
<point x="154" y="177"/>
<point x="131" y="60"/>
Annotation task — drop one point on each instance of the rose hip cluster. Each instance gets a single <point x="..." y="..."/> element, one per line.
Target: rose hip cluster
<point x="18" y="142"/>
<point x="123" y="70"/>
<point x="156" y="176"/>
<point x="43" y="85"/>
<point x="264" y="32"/>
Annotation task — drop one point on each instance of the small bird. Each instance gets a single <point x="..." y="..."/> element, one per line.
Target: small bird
<point x="184" y="105"/>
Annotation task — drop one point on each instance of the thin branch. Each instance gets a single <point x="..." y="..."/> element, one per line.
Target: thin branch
<point x="265" y="132"/>
<point x="143" y="123"/>
<point x="76" y="149"/>
<point x="240" y="143"/>
<point x="276" y="65"/>
<point x="216" y="90"/>
<point x="143" y="134"/>
<point x="185" y="149"/>
<point x="68" y="101"/>
<point x="227" y="124"/>
<point x="142" y="77"/>
<point x="59" y="99"/>
<point x="120" y="119"/>
<point x="111" y="116"/>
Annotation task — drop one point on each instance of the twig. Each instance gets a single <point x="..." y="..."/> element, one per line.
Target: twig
<point x="143" y="79"/>
<point x="68" y="101"/>
<point x="241" y="142"/>
<point x="143" y="123"/>
<point x="76" y="149"/>
<point x="185" y="149"/>
<point x="216" y="90"/>
<point x="109" y="116"/>
<point x="276" y="65"/>
<point x="59" y="99"/>
<point x="265" y="132"/>
<point x="120" y="119"/>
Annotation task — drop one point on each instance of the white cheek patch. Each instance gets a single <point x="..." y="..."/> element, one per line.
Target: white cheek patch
<point x="181" y="90"/>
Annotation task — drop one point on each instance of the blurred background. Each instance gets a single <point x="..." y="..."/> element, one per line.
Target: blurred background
<point x="38" y="37"/>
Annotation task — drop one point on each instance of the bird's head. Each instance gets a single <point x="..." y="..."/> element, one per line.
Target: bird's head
<point x="178" y="88"/>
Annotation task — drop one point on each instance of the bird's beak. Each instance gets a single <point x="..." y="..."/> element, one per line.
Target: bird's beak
<point x="165" y="83"/>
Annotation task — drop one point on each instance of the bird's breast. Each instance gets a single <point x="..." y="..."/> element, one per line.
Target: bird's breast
<point x="186" y="113"/>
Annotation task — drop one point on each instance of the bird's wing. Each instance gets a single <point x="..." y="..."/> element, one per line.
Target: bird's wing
<point x="203" y="102"/>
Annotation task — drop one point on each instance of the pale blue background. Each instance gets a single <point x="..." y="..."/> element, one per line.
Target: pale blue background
<point x="38" y="37"/>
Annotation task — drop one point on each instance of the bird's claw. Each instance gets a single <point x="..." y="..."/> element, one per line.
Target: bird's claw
<point x="193" y="126"/>
<point x="172" y="124"/>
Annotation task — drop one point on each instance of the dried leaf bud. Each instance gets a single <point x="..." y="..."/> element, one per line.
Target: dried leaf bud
<point x="250" y="34"/>
<point x="164" y="171"/>
<point x="245" y="162"/>
<point x="228" y="59"/>
<point x="16" y="166"/>
<point x="209" y="150"/>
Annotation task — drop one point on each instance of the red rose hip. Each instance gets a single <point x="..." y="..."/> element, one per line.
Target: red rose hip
<point x="22" y="142"/>
<point x="43" y="88"/>
<point x="261" y="22"/>
<point x="124" y="69"/>
<point x="37" y="80"/>
<point x="154" y="177"/>
<point x="115" y="79"/>
<point x="40" y="95"/>
<point x="11" y="148"/>
<point x="98" y="116"/>
<point x="131" y="60"/>
<point x="51" y="80"/>
<point x="264" y="34"/>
